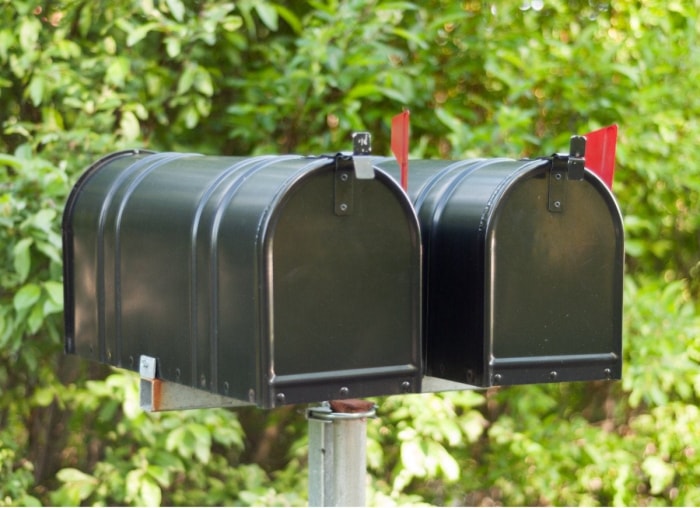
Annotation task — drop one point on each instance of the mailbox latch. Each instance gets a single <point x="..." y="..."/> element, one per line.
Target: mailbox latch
<point x="565" y="168"/>
<point x="361" y="155"/>
<point x="349" y="168"/>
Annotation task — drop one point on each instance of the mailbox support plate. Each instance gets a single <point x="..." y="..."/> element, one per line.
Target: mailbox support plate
<point x="159" y="395"/>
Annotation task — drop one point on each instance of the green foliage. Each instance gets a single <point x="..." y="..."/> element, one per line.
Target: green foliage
<point x="663" y="362"/>
<point x="433" y="434"/>
<point x="80" y="79"/>
<point x="32" y="191"/>
<point x="169" y="458"/>
<point x="17" y="479"/>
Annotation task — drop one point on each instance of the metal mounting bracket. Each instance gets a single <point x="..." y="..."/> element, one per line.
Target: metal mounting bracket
<point x="158" y="395"/>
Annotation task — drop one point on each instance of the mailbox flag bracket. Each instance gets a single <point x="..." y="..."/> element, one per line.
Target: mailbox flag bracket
<point x="576" y="163"/>
<point x="565" y="168"/>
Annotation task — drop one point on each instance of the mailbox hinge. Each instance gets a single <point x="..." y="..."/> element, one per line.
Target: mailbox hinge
<point x="565" y="167"/>
<point x="344" y="183"/>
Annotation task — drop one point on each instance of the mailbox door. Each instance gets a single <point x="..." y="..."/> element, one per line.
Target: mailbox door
<point x="554" y="283"/>
<point x="344" y="289"/>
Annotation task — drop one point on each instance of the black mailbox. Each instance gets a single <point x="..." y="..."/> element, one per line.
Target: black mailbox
<point x="523" y="267"/>
<point x="272" y="280"/>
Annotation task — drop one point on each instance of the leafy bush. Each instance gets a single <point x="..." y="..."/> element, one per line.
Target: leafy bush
<point x="80" y="79"/>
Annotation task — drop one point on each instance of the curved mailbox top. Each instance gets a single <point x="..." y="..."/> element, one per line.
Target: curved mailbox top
<point x="523" y="271"/>
<point x="273" y="279"/>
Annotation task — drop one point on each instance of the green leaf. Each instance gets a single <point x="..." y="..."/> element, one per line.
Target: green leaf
<point x="363" y="90"/>
<point x="77" y="485"/>
<point x="660" y="473"/>
<point x="232" y="23"/>
<point x="176" y="8"/>
<point x="51" y="307"/>
<point x="129" y="125"/>
<point x="267" y="14"/>
<point x="35" y="319"/>
<point x="186" y="80"/>
<point x="190" y="116"/>
<point x="448" y="464"/>
<point x="160" y="474"/>
<point x="172" y="46"/>
<point x="55" y="291"/>
<point x="202" y="437"/>
<point x="291" y="19"/>
<point x="42" y="220"/>
<point x="133" y="486"/>
<point x="85" y="22"/>
<point x="36" y="89"/>
<point x="7" y="40"/>
<point x="4" y="335"/>
<point x="23" y="258"/>
<point x="139" y="33"/>
<point x="174" y="439"/>
<point x="150" y="492"/>
<point x="10" y="160"/>
<point x="413" y="458"/>
<point x="203" y="83"/>
<point x="117" y="72"/>
<point x="29" y="33"/>
<point x="44" y="396"/>
<point x="72" y="475"/>
<point x="409" y="36"/>
<point x="50" y="251"/>
<point x="27" y="296"/>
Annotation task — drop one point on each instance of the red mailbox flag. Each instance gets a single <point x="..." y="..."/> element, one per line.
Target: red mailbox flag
<point x="399" y="143"/>
<point x="600" y="153"/>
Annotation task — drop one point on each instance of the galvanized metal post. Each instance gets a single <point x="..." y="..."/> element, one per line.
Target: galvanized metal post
<point x="338" y="454"/>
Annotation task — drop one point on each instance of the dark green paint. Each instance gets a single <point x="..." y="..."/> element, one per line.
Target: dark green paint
<point x="241" y="278"/>
<point x="513" y="292"/>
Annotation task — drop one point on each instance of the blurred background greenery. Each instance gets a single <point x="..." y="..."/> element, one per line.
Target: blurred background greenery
<point x="82" y="78"/>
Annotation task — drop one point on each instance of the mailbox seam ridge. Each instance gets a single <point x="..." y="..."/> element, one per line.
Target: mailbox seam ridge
<point x="101" y="265"/>
<point x="256" y="164"/>
<point x="204" y="200"/>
